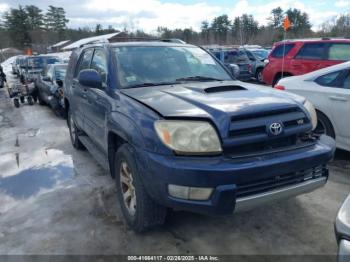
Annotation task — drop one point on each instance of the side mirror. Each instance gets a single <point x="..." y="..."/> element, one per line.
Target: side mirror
<point x="90" y="78"/>
<point x="234" y="69"/>
<point x="46" y="79"/>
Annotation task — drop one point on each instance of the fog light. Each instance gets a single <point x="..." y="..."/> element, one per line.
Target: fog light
<point x="190" y="193"/>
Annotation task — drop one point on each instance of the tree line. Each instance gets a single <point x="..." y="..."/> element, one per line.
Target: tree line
<point x="29" y="26"/>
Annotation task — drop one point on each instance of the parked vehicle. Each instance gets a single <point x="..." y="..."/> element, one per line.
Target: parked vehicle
<point x="16" y="65"/>
<point x="304" y="56"/>
<point x="329" y="90"/>
<point x="50" y="87"/>
<point x="176" y="130"/>
<point x="237" y="57"/>
<point x="32" y="66"/>
<point x="257" y="64"/>
<point x="342" y="231"/>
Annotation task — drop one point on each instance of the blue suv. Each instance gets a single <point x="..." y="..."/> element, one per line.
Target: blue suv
<point x="176" y="130"/>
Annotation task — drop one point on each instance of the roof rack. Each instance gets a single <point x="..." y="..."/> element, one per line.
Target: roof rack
<point x="134" y="39"/>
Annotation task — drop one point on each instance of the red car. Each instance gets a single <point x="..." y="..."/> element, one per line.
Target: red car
<point x="304" y="56"/>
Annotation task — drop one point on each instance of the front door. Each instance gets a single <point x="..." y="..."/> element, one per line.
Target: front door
<point x="97" y="102"/>
<point x="339" y="98"/>
<point x="79" y="103"/>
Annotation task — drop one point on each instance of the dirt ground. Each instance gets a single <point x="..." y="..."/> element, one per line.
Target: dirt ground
<point x="56" y="200"/>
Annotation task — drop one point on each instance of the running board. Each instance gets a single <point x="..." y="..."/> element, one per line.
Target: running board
<point x="99" y="156"/>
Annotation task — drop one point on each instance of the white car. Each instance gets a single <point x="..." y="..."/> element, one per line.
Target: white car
<point x="329" y="91"/>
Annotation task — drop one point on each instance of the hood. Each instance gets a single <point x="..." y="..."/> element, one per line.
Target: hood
<point x="215" y="100"/>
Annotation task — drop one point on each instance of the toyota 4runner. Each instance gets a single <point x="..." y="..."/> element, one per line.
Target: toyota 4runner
<point x="176" y="130"/>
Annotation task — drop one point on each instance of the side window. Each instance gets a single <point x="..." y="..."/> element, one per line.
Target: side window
<point x="313" y="51"/>
<point x="84" y="61"/>
<point x="99" y="63"/>
<point x="346" y="82"/>
<point x="340" y="52"/>
<point x="277" y="52"/>
<point x="329" y="79"/>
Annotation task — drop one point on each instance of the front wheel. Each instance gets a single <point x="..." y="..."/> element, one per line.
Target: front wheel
<point x="73" y="132"/>
<point x="139" y="209"/>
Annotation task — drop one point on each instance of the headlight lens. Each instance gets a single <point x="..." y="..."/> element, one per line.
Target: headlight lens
<point x="188" y="137"/>
<point x="311" y="109"/>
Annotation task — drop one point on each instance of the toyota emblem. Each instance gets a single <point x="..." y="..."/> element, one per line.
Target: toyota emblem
<point x="276" y="129"/>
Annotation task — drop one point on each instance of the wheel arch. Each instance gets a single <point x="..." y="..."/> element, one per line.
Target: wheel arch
<point x="329" y="120"/>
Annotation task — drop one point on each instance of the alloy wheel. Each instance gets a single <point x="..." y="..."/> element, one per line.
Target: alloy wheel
<point x="127" y="188"/>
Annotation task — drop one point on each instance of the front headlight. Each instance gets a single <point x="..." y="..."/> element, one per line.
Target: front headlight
<point x="188" y="137"/>
<point x="311" y="109"/>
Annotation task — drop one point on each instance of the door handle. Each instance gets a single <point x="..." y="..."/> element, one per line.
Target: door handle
<point x="338" y="98"/>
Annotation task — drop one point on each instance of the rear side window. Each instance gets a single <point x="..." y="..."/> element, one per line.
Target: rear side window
<point x="346" y="83"/>
<point x="340" y="52"/>
<point x="328" y="79"/>
<point x="313" y="51"/>
<point x="235" y="56"/>
<point x="84" y="61"/>
<point x="278" y="50"/>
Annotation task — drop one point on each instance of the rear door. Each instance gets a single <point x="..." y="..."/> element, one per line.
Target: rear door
<point x="79" y="103"/>
<point x="97" y="101"/>
<point x="339" y="97"/>
<point x="310" y="57"/>
<point x="337" y="53"/>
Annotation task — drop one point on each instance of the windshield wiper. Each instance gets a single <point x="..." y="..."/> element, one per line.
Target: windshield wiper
<point x="150" y="84"/>
<point x="198" y="78"/>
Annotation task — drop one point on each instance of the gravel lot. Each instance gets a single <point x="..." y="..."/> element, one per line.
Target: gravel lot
<point x="56" y="200"/>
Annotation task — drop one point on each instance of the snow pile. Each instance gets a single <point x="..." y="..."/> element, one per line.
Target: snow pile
<point x="7" y="64"/>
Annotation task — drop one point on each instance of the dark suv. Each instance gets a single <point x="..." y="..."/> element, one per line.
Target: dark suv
<point x="304" y="56"/>
<point x="176" y="130"/>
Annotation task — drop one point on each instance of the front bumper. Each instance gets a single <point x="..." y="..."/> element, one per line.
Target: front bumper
<point x="233" y="179"/>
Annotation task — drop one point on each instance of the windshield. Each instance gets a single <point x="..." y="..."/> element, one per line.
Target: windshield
<point x="166" y="64"/>
<point x="60" y="72"/>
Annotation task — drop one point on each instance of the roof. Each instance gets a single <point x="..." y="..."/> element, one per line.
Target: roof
<point x="84" y="41"/>
<point x="326" y="39"/>
<point x="10" y="50"/>
<point x="60" y="43"/>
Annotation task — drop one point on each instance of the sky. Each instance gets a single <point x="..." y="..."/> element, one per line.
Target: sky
<point x="149" y="14"/>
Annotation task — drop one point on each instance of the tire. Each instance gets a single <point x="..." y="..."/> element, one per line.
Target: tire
<point x="146" y="213"/>
<point x="22" y="99"/>
<point x="30" y="100"/>
<point x="324" y="126"/>
<point x="259" y="75"/>
<point x="73" y="133"/>
<point x="16" y="102"/>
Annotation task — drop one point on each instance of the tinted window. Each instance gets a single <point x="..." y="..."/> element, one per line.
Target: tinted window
<point x="84" y="62"/>
<point x="314" y="51"/>
<point x="235" y="56"/>
<point x="99" y="63"/>
<point x="278" y="50"/>
<point x="329" y="79"/>
<point x="339" y="52"/>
